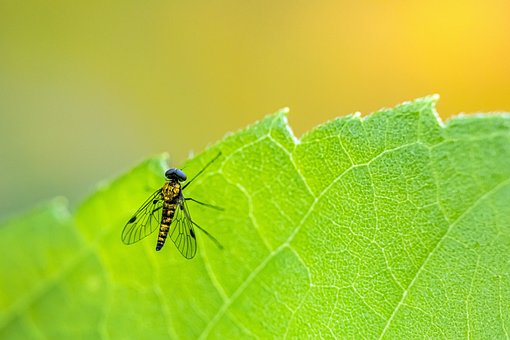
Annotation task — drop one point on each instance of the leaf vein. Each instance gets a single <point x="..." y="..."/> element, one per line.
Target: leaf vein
<point x="436" y="247"/>
<point x="265" y="261"/>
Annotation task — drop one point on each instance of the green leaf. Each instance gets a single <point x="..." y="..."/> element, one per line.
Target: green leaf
<point x="392" y="225"/>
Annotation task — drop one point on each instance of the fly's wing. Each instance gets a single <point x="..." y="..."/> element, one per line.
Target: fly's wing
<point x="182" y="232"/>
<point x="145" y="221"/>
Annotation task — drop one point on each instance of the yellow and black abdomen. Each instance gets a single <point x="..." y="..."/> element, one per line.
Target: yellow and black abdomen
<point x="166" y="220"/>
<point x="171" y="193"/>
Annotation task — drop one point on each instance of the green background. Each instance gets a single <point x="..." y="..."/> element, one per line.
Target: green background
<point x="88" y="89"/>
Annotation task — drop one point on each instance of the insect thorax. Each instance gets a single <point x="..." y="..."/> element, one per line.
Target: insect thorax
<point x="171" y="190"/>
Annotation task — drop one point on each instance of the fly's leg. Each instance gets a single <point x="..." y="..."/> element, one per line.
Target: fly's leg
<point x="204" y="204"/>
<point x="218" y="244"/>
<point x="188" y="217"/>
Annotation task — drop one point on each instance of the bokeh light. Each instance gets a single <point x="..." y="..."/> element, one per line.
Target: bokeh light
<point x="88" y="89"/>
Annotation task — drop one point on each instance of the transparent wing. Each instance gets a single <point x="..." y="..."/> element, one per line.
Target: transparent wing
<point x="182" y="232"/>
<point x="145" y="220"/>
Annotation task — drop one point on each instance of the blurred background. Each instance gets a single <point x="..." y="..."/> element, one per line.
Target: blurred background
<point x="88" y="89"/>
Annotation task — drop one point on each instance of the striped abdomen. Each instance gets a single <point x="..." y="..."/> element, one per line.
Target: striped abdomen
<point x="166" y="220"/>
<point x="170" y="193"/>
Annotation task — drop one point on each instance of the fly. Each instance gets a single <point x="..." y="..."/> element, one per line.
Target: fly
<point x="166" y="208"/>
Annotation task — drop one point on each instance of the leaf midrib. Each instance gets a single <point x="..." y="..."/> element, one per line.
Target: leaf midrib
<point x="287" y="242"/>
<point x="223" y="309"/>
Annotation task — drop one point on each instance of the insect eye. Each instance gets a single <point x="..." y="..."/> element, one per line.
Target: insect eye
<point x="175" y="174"/>
<point x="181" y="175"/>
<point x="170" y="173"/>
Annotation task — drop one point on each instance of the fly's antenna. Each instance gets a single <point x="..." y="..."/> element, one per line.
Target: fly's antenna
<point x="201" y="171"/>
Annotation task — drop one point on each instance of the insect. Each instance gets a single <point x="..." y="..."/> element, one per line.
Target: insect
<point x="167" y="209"/>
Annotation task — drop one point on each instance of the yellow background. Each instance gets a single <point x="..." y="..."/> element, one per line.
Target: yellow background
<point x="88" y="89"/>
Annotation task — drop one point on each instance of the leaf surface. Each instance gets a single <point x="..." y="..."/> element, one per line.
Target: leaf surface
<point x="392" y="225"/>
